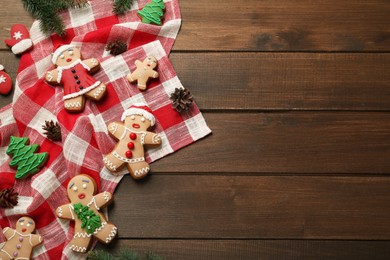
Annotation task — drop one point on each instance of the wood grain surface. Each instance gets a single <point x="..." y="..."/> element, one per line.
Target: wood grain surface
<point x="297" y="95"/>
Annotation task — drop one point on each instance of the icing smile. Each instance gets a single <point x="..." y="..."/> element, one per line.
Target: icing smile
<point x="136" y="126"/>
<point x="81" y="196"/>
<point x="68" y="60"/>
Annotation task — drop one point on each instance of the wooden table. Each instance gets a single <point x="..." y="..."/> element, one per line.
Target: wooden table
<point x="297" y="94"/>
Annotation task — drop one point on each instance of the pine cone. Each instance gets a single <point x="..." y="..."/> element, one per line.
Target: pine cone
<point x="53" y="131"/>
<point x="181" y="99"/>
<point x="8" y="198"/>
<point x="116" y="47"/>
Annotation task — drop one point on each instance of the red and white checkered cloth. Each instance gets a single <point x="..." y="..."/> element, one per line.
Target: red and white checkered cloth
<point x="85" y="138"/>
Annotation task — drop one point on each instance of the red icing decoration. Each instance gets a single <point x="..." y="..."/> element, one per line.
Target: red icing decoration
<point x="130" y="145"/>
<point x="133" y="136"/>
<point x="5" y="82"/>
<point x="75" y="79"/>
<point x="129" y="154"/>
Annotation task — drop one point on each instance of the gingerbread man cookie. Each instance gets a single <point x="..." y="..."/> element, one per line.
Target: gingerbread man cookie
<point x="73" y="74"/>
<point x="143" y="72"/>
<point x="20" y="242"/>
<point x="84" y="209"/>
<point x="132" y="135"/>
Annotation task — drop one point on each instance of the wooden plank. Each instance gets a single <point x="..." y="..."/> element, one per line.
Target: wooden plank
<point x="11" y="64"/>
<point x="279" y="81"/>
<point x="253" y="207"/>
<point x="285" y="81"/>
<point x="12" y="12"/>
<point x="255" y="249"/>
<point x="301" y="25"/>
<point x="294" y="142"/>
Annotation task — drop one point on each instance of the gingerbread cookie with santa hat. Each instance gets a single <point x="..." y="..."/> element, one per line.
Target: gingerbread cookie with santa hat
<point x="73" y="74"/>
<point x="132" y="134"/>
<point x="20" y="241"/>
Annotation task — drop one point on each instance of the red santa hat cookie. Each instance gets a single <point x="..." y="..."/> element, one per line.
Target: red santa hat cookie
<point x="142" y="110"/>
<point x="59" y="50"/>
<point x="5" y="82"/>
<point x="20" y="41"/>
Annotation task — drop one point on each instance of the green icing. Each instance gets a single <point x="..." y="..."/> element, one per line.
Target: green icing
<point x="24" y="158"/>
<point x="89" y="220"/>
<point x="152" y="12"/>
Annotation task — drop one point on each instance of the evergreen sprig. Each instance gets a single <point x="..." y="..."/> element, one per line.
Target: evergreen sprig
<point x="124" y="254"/>
<point x="122" y="6"/>
<point x="47" y="13"/>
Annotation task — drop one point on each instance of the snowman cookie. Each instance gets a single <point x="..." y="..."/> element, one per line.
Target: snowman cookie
<point x="20" y="241"/>
<point x="144" y="71"/>
<point x="73" y="74"/>
<point x="132" y="135"/>
<point x="84" y="210"/>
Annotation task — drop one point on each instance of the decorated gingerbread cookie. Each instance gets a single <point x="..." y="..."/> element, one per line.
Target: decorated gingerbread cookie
<point x="20" y="241"/>
<point x="5" y="82"/>
<point x="24" y="157"/>
<point x="132" y="135"/>
<point x="144" y="71"/>
<point x="73" y="74"/>
<point x="84" y="209"/>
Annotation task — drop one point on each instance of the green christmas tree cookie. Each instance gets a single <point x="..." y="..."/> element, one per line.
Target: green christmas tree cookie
<point x="152" y="13"/>
<point x="24" y="157"/>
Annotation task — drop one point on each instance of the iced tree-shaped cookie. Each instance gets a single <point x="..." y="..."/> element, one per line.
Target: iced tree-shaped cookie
<point x="24" y="157"/>
<point x="84" y="209"/>
<point x="73" y="74"/>
<point x="132" y="135"/>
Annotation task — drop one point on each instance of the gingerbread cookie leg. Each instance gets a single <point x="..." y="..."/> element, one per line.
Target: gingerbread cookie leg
<point x="4" y="255"/>
<point x="75" y="104"/>
<point x="106" y="233"/>
<point x="138" y="170"/>
<point x="97" y="93"/>
<point x="112" y="162"/>
<point x="80" y="242"/>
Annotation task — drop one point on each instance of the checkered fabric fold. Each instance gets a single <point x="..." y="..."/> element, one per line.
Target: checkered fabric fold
<point x="84" y="135"/>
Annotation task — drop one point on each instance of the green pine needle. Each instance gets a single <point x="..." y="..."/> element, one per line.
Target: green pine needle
<point x="122" y="6"/>
<point x="99" y="255"/>
<point x="124" y="254"/>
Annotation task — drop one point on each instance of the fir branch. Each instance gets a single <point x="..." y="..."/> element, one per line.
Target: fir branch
<point x="47" y="12"/>
<point x="99" y="255"/>
<point x="122" y="6"/>
<point x="124" y="254"/>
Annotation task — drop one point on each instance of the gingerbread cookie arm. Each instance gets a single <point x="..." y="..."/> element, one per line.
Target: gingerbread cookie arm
<point x="35" y="240"/>
<point x="103" y="199"/>
<point x="8" y="232"/>
<point x="52" y="76"/>
<point x="152" y="138"/>
<point x="65" y="212"/>
<point x="92" y="63"/>
<point x="153" y="74"/>
<point x="116" y="129"/>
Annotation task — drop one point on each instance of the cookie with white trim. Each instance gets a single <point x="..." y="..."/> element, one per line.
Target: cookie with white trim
<point x="73" y="74"/>
<point x="145" y="71"/>
<point x="21" y="240"/>
<point x="132" y="135"/>
<point x="84" y="210"/>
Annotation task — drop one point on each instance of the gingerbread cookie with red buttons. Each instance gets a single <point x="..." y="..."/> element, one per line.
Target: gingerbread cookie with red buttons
<point x="73" y="74"/>
<point x="20" y="241"/>
<point x="84" y="210"/>
<point x="144" y="71"/>
<point x="132" y="135"/>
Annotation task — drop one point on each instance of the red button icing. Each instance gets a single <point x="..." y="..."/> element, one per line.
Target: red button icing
<point x="129" y="154"/>
<point x="130" y="145"/>
<point x="133" y="136"/>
